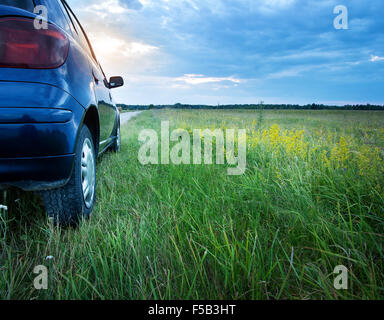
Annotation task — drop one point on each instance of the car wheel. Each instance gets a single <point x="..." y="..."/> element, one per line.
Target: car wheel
<point x="116" y="146"/>
<point x="67" y="205"/>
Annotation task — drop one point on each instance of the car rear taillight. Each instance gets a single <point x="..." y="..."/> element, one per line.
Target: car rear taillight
<point x="24" y="46"/>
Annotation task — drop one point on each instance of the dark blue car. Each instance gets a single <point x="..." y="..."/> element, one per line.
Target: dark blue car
<point x="56" y="110"/>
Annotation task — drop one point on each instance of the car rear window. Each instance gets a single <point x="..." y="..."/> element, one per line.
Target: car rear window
<point x="22" y="4"/>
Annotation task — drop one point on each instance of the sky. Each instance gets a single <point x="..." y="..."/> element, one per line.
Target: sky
<point x="238" y="51"/>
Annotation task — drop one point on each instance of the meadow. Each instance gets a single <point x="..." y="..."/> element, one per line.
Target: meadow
<point x="311" y="199"/>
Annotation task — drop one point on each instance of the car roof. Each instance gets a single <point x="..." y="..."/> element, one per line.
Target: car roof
<point x="27" y="5"/>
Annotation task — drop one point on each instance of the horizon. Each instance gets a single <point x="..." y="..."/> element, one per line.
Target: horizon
<point x="254" y="104"/>
<point x="238" y="52"/>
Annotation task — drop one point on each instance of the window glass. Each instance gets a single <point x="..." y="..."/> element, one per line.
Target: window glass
<point x="82" y="37"/>
<point x="22" y="4"/>
<point x="66" y="13"/>
<point x="55" y="14"/>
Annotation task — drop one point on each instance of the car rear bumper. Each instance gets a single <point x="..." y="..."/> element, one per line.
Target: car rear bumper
<point x="36" y="156"/>
<point x="36" y="174"/>
<point x="37" y="120"/>
<point x="38" y="133"/>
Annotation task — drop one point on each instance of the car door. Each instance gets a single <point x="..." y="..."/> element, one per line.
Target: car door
<point x="107" y="110"/>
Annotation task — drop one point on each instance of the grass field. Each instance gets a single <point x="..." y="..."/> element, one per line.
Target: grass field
<point x="311" y="199"/>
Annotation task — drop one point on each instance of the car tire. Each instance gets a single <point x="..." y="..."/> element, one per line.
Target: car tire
<point x="67" y="205"/>
<point x="116" y="146"/>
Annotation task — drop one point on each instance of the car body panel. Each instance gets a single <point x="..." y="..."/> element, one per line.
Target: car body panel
<point x="30" y="138"/>
<point x="107" y="109"/>
<point x="41" y="112"/>
<point x="36" y="174"/>
<point x="34" y="115"/>
<point x="13" y="11"/>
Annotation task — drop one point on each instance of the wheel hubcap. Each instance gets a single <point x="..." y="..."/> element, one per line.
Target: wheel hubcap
<point x="88" y="176"/>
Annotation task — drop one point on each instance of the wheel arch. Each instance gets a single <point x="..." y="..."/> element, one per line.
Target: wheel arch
<point x="92" y="121"/>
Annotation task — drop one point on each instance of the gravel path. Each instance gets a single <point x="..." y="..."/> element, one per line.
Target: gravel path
<point x="126" y="116"/>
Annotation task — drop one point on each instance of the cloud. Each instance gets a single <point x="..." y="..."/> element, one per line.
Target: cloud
<point x="219" y="7"/>
<point x="138" y="48"/>
<point x="131" y="4"/>
<point x="290" y="72"/>
<point x="308" y="54"/>
<point x="376" y="58"/>
<point x="197" y="79"/>
<point x="107" y="8"/>
<point x="188" y="81"/>
<point x="287" y="49"/>
<point x="193" y="5"/>
<point x="104" y="43"/>
<point x="274" y="5"/>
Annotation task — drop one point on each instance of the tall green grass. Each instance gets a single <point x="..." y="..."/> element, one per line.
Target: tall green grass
<point x="193" y="232"/>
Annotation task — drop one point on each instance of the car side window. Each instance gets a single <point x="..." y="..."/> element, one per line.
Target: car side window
<point x="56" y="14"/>
<point x="22" y="4"/>
<point x="67" y="16"/>
<point x="80" y="32"/>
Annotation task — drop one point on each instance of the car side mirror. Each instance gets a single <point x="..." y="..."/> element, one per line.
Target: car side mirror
<point x="115" y="82"/>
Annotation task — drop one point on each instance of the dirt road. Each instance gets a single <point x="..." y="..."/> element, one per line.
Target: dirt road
<point x="126" y="116"/>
